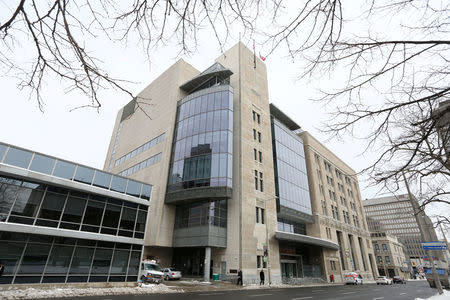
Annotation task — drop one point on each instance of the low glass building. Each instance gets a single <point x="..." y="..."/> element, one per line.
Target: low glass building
<point x="64" y="222"/>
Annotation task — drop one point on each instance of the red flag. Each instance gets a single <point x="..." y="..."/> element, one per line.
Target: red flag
<point x="263" y="58"/>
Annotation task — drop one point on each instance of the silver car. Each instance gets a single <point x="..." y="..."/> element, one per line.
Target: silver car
<point x="170" y="273"/>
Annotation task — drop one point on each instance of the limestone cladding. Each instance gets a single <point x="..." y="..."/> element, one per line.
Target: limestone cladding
<point x="394" y="250"/>
<point x="155" y="115"/>
<point x="336" y="206"/>
<point x="246" y="238"/>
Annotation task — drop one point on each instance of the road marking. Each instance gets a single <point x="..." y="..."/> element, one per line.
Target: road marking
<point x="317" y="291"/>
<point x="378" y="298"/>
<point x="259" y="295"/>
<point x="402" y="294"/>
<point x="211" y="294"/>
<point x="301" y="298"/>
<point x="348" y="293"/>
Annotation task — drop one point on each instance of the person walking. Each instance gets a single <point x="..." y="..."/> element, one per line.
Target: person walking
<point x="239" y="281"/>
<point x="261" y="277"/>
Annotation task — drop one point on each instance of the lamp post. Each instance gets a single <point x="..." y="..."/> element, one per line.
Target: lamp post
<point x="419" y="221"/>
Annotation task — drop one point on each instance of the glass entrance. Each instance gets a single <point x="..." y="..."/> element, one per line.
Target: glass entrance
<point x="289" y="269"/>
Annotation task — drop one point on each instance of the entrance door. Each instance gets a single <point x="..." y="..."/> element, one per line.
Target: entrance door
<point x="289" y="269"/>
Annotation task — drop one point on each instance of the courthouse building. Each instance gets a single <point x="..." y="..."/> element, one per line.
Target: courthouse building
<point x="230" y="180"/>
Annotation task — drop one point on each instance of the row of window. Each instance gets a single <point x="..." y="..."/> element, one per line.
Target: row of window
<point x="256" y="117"/>
<point x="257" y="155"/>
<point x="36" y="204"/>
<point x="140" y="149"/>
<point x="143" y="164"/>
<point x="203" y="123"/>
<point x="205" y="103"/>
<point x="257" y="135"/>
<point x="200" y="214"/>
<point x="29" y="258"/>
<point x="66" y="170"/>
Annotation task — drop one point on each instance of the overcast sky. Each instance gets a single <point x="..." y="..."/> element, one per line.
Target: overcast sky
<point x="83" y="135"/>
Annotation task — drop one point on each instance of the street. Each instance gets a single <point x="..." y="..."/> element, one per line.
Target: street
<point x="411" y="290"/>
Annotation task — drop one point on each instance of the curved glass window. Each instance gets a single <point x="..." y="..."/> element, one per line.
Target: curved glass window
<point x="203" y="142"/>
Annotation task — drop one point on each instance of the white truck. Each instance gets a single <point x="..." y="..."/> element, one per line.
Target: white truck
<point x="151" y="272"/>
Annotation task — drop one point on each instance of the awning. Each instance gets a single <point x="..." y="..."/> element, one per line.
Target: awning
<point x="305" y="239"/>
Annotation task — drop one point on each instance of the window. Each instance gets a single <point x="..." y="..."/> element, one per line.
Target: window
<point x="256" y="117"/>
<point x="260" y="156"/>
<point x="261" y="184"/>
<point x="377" y="247"/>
<point x="260" y="260"/>
<point x="257" y="214"/>
<point x="255" y="154"/>
<point x="262" y="215"/>
<point x="335" y="212"/>
<point x="332" y="195"/>
<point x="333" y="265"/>
<point x="328" y="230"/>
<point x="387" y="259"/>
<point x="324" y="208"/>
<point x="259" y="137"/>
<point x="254" y="134"/>
<point x="384" y="247"/>
<point x="380" y="259"/>
<point x="256" y="180"/>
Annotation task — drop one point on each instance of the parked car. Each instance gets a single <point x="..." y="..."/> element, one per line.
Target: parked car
<point x="399" y="279"/>
<point x="171" y="273"/>
<point x="352" y="278"/>
<point x="384" y="280"/>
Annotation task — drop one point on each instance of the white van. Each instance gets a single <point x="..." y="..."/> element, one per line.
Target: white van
<point x="352" y="278"/>
<point x="151" y="272"/>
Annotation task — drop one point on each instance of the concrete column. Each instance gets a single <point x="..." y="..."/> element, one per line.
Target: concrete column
<point x="207" y="263"/>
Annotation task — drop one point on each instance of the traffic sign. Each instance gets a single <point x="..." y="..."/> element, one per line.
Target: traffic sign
<point x="440" y="246"/>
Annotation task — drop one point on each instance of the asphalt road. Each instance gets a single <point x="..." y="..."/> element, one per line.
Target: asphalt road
<point x="411" y="290"/>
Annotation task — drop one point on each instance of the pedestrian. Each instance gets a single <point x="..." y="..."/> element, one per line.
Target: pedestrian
<point x="239" y="281"/>
<point x="331" y="278"/>
<point x="261" y="277"/>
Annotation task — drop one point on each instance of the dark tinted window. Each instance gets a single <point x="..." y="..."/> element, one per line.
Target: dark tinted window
<point x="59" y="260"/>
<point x="102" y="261"/>
<point x="141" y="219"/>
<point x="102" y="179"/>
<point x="74" y="209"/>
<point x="52" y="206"/>
<point x="120" y="262"/>
<point x="81" y="262"/>
<point x="34" y="259"/>
<point x="94" y="212"/>
<point x="64" y="170"/>
<point x="112" y="215"/>
<point x="133" y="268"/>
<point x="8" y="194"/>
<point x="18" y="157"/>
<point x="10" y="255"/>
<point x="84" y="174"/>
<point x="128" y="218"/>
<point x="27" y="202"/>
<point x="42" y="163"/>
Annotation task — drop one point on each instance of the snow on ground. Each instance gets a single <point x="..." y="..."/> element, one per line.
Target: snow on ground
<point x="34" y="293"/>
<point x="444" y="296"/>
<point x="193" y="282"/>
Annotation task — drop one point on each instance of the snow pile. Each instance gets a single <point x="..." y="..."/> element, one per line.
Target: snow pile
<point x="32" y="293"/>
<point x="193" y="282"/>
<point x="444" y="296"/>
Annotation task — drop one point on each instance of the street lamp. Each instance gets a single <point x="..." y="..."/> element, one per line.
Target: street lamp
<point x="416" y="210"/>
<point x="267" y="251"/>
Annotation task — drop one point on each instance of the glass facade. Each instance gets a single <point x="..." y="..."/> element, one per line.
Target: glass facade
<point x="59" y="168"/>
<point x="291" y="226"/>
<point x="291" y="181"/>
<point x="200" y="214"/>
<point x="143" y="164"/>
<point x="31" y="203"/>
<point x="203" y="142"/>
<point x="30" y="258"/>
